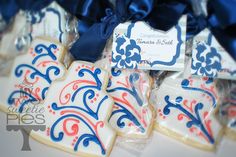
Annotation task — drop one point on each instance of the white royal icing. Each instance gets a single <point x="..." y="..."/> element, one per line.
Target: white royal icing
<point x="187" y="107"/>
<point x="32" y="74"/>
<point x="132" y="115"/>
<point x="77" y="112"/>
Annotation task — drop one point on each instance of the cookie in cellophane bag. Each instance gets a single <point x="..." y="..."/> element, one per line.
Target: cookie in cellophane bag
<point x="186" y="108"/>
<point x="132" y="115"/>
<point x="32" y="74"/>
<point x="227" y="113"/>
<point x="52" y="21"/>
<point x="14" y="40"/>
<point x="76" y="111"/>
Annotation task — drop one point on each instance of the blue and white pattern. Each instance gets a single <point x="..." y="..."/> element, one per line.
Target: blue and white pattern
<point x="136" y="45"/>
<point x="206" y="61"/>
<point x="127" y="53"/>
<point x="35" y="17"/>
<point x="210" y="59"/>
<point x="44" y="18"/>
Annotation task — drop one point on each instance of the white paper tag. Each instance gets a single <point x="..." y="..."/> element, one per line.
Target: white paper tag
<point x="210" y="59"/>
<point x="137" y="45"/>
<point x="49" y="21"/>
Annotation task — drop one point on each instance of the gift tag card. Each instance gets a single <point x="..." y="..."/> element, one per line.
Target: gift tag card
<point x="210" y="59"/>
<point x="50" y="21"/>
<point x="138" y="46"/>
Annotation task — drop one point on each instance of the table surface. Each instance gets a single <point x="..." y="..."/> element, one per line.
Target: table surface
<point x="158" y="145"/>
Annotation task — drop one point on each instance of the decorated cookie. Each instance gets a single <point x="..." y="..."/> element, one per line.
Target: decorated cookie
<point x="77" y="109"/>
<point x="228" y="114"/>
<point x="132" y="115"/>
<point x="32" y="74"/>
<point x="186" y="111"/>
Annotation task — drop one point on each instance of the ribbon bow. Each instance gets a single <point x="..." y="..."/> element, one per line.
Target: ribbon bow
<point x="221" y="20"/>
<point x="161" y="14"/>
<point x="97" y="18"/>
<point x="89" y="11"/>
<point x="91" y="43"/>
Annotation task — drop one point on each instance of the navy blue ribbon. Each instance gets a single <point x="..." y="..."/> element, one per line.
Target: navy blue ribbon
<point x="221" y="20"/>
<point x="91" y="43"/>
<point x="166" y="13"/>
<point x="9" y="8"/>
<point x="98" y="19"/>
<point x="87" y="11"/>
<point x="161" y="14"/>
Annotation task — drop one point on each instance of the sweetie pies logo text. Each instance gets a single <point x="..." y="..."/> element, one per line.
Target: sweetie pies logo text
<point x="25" y="118"/>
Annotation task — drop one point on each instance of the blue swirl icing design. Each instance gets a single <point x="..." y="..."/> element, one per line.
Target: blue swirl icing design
<point x="185" y="85"/>
<point x="19" y="70"/>
<point x="132" y="91"/>
<point x="194" y="119"/>
<point x="86" y="138"/>
<point x="46" y="76"/>
<point x="126" y="114"/>
<point x="39" y="50"/>
<point x="88" y="92"/>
